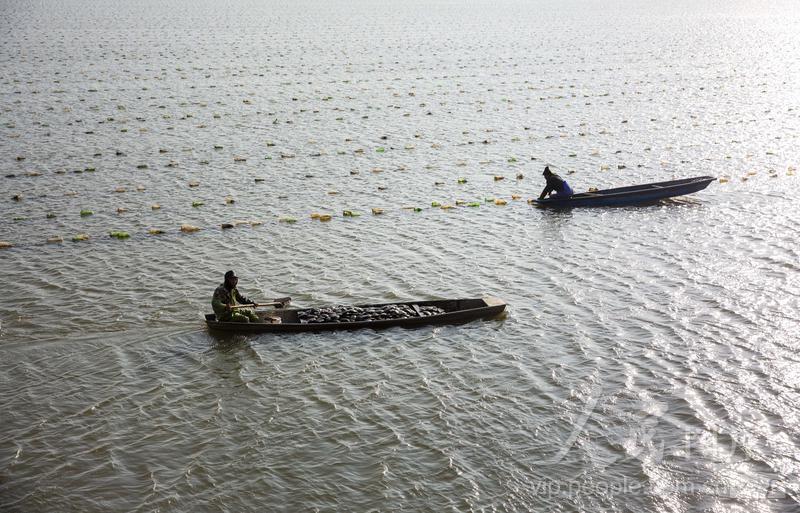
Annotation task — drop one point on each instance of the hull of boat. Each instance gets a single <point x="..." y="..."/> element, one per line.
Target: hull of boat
<point x="457" y="311"/>
<point x="633" y="195"/>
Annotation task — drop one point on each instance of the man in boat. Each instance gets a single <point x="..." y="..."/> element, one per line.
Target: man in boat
<point x="555" y="184"/>
<point x="226" y="297"/>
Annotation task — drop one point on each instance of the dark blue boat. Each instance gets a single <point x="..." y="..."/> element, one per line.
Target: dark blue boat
<point x="633" y="195"/>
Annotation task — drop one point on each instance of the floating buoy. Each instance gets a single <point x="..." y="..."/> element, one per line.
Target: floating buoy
<point x="5" y="245"/>
<point x="377" y="211"/>
<point x="141" y="166"/>
<point x="435" y="204"/>
<point x="258" y="180"/>
<point x="520" y="176"/>
<point x="350" y="213"/>
<point x="500" y="202"/>
<point x="188" y="228"/>
<point x="50" y="215"/>
<point x="55" y="240"/>
<point x="85" y="213"/>
<point x="155" y="206"/>
<point x="325" y="217"/>
<point x="120" y="189"/>
<point x="157" y="231"/>
<point x="516" y="197"/>
<point x="497" y="178"/>
<point x="256" y="223"/>
<point x="446" y="207"/>
<point x="194" y="183"/>
<point x="333" y="193"/>
<point x="239" y="159"/>
<point x="197" y="204"/>
<point x="287" y="220"/>
<point x="226" y="226"/>
<point x="121" y="210"/>
<point x="229" y="200"/>
<point x="462" y="180"/>
<point x="474" y="204"/>
<point x="17" y="197"/>
<point x="80" y="237"/>
<point x="119" y="235"/>
<point x="315" y="215"/>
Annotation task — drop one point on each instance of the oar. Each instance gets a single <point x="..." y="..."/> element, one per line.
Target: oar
<point x="276" y="302"/>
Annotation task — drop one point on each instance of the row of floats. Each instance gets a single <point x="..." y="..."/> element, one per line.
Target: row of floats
<point x="314" y="216"/>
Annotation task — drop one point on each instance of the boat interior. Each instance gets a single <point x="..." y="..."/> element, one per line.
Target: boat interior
<point x="289" y="315"/>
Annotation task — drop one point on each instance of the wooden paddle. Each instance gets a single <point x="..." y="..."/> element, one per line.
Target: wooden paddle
<point x="281" y="301"/>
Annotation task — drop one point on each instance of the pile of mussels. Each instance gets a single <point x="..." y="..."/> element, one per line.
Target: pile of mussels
<point x="369" y="313"/>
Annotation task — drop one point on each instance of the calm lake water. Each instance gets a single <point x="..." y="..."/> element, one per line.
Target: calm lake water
<point x="649" y="357"/>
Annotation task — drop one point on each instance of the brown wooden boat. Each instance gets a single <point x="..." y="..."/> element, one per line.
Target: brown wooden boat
<point x="285" y="320"/>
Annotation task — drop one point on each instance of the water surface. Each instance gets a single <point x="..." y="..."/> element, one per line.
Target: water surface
<point x="648" y="361"/>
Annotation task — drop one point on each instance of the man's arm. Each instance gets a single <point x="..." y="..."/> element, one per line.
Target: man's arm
<point x="547" y="190"/>
<point x="219" y="305"/>
<point x="241" y="299"/>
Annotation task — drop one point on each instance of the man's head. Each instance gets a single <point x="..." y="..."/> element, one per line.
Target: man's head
<point x="231" y="279"/>
<point x="547" y="171"/>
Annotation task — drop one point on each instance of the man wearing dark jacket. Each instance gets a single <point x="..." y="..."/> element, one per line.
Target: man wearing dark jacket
<point x="226" y="296"/>
<point x="555" y="183"/>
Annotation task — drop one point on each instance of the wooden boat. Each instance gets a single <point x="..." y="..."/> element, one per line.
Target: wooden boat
<point x="633" y="195"/>
<point x="285" y="320"/>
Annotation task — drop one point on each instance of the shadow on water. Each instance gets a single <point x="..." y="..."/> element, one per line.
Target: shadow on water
<point x="566" y="211"/>
<point x="229" y="342"/>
